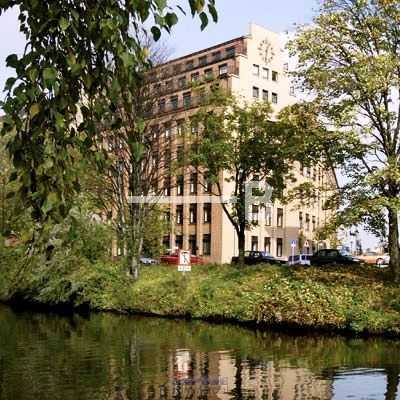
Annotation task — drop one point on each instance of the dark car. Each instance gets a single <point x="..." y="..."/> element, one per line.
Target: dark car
<point x="258" y="257"/>
<point x="333" y="257"/>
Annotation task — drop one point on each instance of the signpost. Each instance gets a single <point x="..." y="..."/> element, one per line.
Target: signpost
<point x="307" y="245"/>
<point x="184" y="261"/>
<point x="293" y="245"/>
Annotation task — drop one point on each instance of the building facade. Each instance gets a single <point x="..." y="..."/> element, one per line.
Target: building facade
<point x="253" y="68"/>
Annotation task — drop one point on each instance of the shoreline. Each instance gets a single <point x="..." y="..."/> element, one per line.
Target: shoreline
<point x="154" y="307"/>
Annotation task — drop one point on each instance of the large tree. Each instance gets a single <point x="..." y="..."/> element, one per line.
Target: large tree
<point x="349" y="66"/>
<point x="78" y="56"/>
<point x="240" y="144"/>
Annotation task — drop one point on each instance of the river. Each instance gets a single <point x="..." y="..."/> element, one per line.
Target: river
<point x="103" y="356"/>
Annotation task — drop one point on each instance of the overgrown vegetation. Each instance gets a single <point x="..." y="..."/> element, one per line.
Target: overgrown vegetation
<point x="344" y="299"/>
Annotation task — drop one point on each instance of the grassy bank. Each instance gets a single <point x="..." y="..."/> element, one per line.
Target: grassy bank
<point x="357" y="300"/>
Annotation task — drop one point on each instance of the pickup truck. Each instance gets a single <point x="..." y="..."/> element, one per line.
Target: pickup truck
<point x="258" y="257"/>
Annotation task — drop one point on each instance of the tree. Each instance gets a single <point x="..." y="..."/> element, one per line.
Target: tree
<point x="238" y="144"/>
<point x="349" y="65"/>
<point x="62" y="87"/>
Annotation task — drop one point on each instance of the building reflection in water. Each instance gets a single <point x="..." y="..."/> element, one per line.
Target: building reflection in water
<point x="225" y="375"/>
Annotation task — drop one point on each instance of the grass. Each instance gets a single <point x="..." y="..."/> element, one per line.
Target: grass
<point x="353" y="299"/>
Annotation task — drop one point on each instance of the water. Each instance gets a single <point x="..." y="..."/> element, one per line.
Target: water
<point x="47" y="356"/>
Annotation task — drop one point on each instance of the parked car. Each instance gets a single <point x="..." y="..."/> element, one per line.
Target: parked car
<point x="258" y="257"/>
<point x="333" y="256"/>
<point x="374" y="258"/>
<point x="148" y="261"/>
<point x="299" y="259"/>
<point x="173" y="258"/>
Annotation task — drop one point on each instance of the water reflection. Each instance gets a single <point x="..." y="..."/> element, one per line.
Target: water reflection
<point x="115" y="357"/>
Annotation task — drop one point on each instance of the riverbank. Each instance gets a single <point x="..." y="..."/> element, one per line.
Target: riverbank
<point x="342" y="299"/>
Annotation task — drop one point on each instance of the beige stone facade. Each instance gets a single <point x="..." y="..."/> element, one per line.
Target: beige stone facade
<point x="254" y="68"/>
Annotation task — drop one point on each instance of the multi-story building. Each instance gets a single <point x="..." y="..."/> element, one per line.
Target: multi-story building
<point x="253" y="68"/>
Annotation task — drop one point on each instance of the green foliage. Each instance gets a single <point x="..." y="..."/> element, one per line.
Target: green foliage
<point x="348" y="63"/>
<point x="78" y="57"/>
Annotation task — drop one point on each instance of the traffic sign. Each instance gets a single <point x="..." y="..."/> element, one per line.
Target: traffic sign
<point x="184" y="261"/>
<point x="306" y="244"/>
<point x="293" y="244"/>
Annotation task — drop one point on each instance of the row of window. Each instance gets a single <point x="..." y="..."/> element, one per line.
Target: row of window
<point x="308" y="222"/>
<point x="267" y="245"/>
<point x="203" y="60"/>
<point x="265" y="95"/>
<point x="193" y="184"/>
<point x="313" y="173"/>
<point x="182" y="82"/>
<point x="192" y="243"/>
<point x="265" y="73"/>
<point x="207" y="208"/>
<point x="255" y="216"/>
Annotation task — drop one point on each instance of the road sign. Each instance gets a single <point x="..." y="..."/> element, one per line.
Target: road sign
<point x="293" y="244"/>
<point x="184" y="261"/>
<point x="306" y="244"/>
<point x="184" y="268"/>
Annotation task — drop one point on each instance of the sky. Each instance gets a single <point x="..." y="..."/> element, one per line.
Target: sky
<point x="234" y="19"/>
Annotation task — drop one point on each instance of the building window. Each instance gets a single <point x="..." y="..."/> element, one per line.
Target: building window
<point x="193" y="213"/>
<point x="265" y="73"/>
<point x="207" y="245"/>
<point x="161" y="105"/>
<point x="180" y="127"/>
<point x="292" y="91"/>
<point x="230" y="51"/>
<point x="274" y="98"/>
<point x="208" y="73"/>
<point x="168" y="85"/>
<point x="189" y="64"/>
<point x="314" y="223"/>
<point x="256" y="92"/>
<point x="179" y="185"/>
<point x="279" y="247"/>
<point x="202" y="61"/>
<point x="254" y="214"/>
<point x="179" y="214"/>
<point x="193" y="183"/>
<point x="195" y="76"/>
<point x="279" y="217"/>
<point x="180" y="154"/>
<point x="268" y="216"/>
<point x="167" y="131"/>
<point x="265" y="95"/>
<point x="301" y="224"/>
<point x="207" y="213"/>
<point x="194" y="128"/>
<point x="179" y="241"/>
<point x="223" y="69"/>
<point x="274" y="76"/>
<point x="167" y="216"/>
<point x="193" y="244"/>
<point x="176" y="68"/>
<point x="267" y="244"/>
<point x="166" y="241"/>
<point x="174" y="102"/>
<point x="182" y="82"/>
<point x="307" y="222"/>
<point x="167" y="186"/>
<point x="187" y="99"/>
<point x="256" y="70"/>
<point x="254" y="243"/>
<point x="207" y="184"/>
<point x="216" y="56"/>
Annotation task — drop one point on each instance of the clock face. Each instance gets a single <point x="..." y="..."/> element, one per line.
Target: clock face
<point x="266" y="51"/>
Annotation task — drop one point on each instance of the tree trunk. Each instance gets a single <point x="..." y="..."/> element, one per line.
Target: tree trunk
<point x="394" y="245"/>
<point x="241" y="245"/>
<point x="393" y="380"/>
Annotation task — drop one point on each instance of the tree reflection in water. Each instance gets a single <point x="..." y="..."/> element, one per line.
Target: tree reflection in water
<point x="47" y="356"/>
